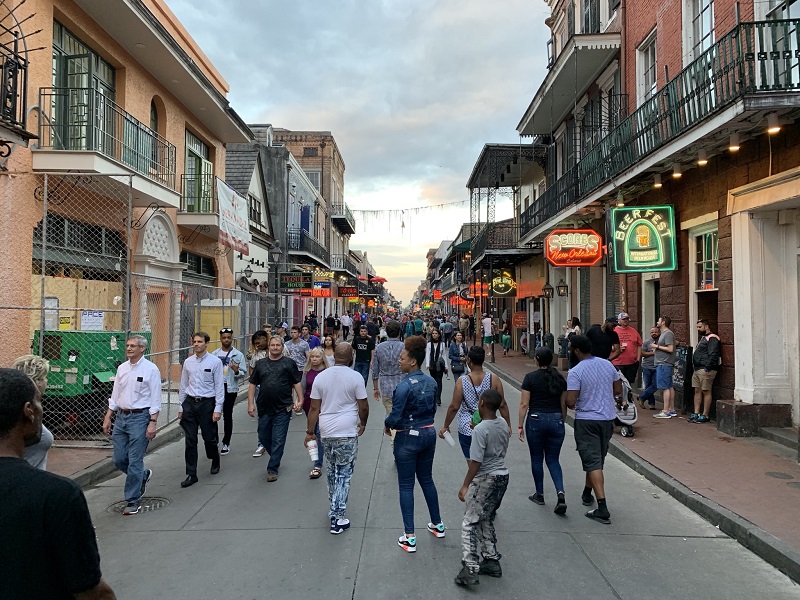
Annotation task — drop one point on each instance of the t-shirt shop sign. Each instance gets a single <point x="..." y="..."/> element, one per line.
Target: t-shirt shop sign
<point x="643" y="239"/>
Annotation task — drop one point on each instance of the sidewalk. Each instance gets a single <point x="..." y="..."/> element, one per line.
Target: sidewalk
<point x="757" y="481"/>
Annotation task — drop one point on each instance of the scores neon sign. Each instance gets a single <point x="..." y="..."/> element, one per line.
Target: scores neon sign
<point x="573" y="248"/>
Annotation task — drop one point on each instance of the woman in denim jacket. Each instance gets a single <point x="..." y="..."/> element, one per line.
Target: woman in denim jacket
<point x="457" y="354"/>
<point x="413" y="410"/>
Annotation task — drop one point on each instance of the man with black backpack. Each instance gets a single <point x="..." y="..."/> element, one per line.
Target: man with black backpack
<point x="705" y="361"/>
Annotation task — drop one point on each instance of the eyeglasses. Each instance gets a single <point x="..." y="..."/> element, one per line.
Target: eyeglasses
<point x="226" y="330"/>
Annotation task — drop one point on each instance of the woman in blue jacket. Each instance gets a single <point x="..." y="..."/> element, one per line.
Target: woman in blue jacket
<point x="413" y="409"/>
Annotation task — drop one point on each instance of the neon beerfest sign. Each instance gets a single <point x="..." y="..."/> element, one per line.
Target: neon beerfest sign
<point x="644" y="239"/>
<point x="573" y="248"/>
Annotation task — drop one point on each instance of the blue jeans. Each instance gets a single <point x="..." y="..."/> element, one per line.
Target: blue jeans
<point x="649" y="383"/>
<point x="130" y="444"/>
<point x="362" y="368"/>
<point x="465" y="441"/>
<point x="545" y="436"/>
<point x="272" y="430"/>
<point x="341" y="456"/>
<point x="413" y="455"/>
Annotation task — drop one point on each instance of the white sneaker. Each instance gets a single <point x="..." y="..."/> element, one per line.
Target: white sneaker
<point x="225" y="449"/>
<point x="259" y="451"/>
<point x="662" y="415"/>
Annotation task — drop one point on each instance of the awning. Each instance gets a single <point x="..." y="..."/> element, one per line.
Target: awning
<point x="104" y="376"/>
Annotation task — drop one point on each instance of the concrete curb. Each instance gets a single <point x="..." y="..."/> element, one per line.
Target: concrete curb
<point x="763" y="544"/>
<point x="105" y="468"/>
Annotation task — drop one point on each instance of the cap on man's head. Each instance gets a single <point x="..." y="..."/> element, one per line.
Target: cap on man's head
<point x="612" y="319"/>
<point x="623" y="315"/>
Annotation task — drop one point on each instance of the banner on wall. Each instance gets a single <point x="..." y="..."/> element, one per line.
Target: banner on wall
<point x="643" y="239"/>
<point x="234" y="219"/>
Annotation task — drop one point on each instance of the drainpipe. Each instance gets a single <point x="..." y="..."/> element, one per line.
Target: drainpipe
<point x="623" y="62"/>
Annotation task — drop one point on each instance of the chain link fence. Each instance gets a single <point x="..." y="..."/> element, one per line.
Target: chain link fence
<point x="71" y="296"/>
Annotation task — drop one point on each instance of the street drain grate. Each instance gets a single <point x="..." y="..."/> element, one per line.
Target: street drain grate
<point x="778" y="475"/>
<point x="794" y="484"/>
<point x="149" y="504"/>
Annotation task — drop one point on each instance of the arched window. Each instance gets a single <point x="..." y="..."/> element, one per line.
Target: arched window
<point x="153" y="116"/>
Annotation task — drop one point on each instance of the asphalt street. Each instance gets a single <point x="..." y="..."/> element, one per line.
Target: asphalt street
<point x="235" y="536"/>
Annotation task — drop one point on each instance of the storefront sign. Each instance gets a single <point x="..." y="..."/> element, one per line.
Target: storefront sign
<point x="573" y="248"/>
<point x="323" y="275"/>
<point x="437" y="294"/>
<point x="320" y="292"/>
<point x="294" y="280"/>
<point x="644" y="239"/>
<point x="305" y="292"/>
<point x="234" y="219"/>
<point x="520" y="320"/>
<point x="504" y="284"/>
<point x="346" y="291"/>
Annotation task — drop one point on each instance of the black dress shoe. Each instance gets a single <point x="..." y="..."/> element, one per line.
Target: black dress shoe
<point x="214" y="469"/>
<point x="190" y="480"/>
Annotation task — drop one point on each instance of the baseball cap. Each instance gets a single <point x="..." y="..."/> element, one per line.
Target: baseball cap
<point x="612" y="319"/>
<point x="623" y="315"/>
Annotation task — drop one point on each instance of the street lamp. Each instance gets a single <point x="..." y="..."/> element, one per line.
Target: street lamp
<point x="562" y="288"/>
<point x="275" y="254"/>
<point x="248" y="272"/>
<point x="547" y="291"/>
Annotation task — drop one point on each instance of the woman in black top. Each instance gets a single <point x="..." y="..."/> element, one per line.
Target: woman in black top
<point x="436" y="353"/>
<point x="542" y="410"/>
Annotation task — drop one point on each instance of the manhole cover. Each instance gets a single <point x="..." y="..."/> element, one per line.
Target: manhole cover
<point x="779" y="475"/>
<point x="148" y="504"/>
<point x="794" y="484"/>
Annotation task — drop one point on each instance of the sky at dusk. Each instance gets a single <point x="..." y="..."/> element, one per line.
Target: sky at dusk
<point x="410" y="89"/>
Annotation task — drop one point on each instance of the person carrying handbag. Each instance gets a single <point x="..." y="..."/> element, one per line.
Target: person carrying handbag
<point x="457" y="353"/>
<point x="436" y="361"/>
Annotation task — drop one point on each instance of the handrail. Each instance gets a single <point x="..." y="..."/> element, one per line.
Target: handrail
<point x="14" y="91"/>
<point x="301" y="240"/>
<point x="84" y="119"/>
<point x="753" y="58"/>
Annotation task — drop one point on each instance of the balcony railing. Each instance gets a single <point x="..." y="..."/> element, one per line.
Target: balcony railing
<point x="301" y="241"/>
<point x="448" y="282"/>
<point x="753" y="58"/>
<point x="14" y="88"/>
<point x="495" y="236"/>
<point x="199" y="194"/>
<point x="343" y="218"/>
<point x="340" y="262"/>
<point x="83" y="119"/>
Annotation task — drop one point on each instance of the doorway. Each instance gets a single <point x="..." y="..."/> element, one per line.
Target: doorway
<point x="651" y="300"/>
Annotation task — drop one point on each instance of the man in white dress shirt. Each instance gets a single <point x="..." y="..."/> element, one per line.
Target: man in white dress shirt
<point x="136" y="401"/>
<point x="201" y="394"/>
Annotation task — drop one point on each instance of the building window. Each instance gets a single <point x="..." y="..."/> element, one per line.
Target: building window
<point x="75" y="65"/>
<point x="591" y="16"/>
<point x="706" y="261"/>
<point x="255" y="210"/>
<point x="198" y="265"/>
<point x="311" y="151"/>
<point x="570" y="19"/>
<point x="647" y="69"/>
<point x="313" y="177"/>
<point x="199" y="176"/>
<point x="702" y="13"/>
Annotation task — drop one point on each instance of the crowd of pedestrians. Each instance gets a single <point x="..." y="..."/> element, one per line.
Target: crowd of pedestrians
<point x="324" y="376"/>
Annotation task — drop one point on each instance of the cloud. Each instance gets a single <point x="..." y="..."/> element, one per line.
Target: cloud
<point x="410" y="89"/>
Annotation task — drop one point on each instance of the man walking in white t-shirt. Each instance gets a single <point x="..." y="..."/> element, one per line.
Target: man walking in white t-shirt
<point x="488" y="333"/>
<point x="339" y="402"/>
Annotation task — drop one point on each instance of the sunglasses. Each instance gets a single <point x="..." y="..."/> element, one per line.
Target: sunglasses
<point x="226" y="330"/>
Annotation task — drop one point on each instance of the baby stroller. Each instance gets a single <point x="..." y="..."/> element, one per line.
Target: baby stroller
<point x="626" y="418"/>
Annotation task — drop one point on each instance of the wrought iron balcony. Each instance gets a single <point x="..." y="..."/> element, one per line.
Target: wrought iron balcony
<point x="301" y="241"/>
<point x="495" y="236"/>
<point x="448" y="282"/>
<point x="343" y="219"/>
<point x="752" y="59"/>
<point x="340" y="262"/>
<point x="83" y="119"/>
<point x="14" y="88"/>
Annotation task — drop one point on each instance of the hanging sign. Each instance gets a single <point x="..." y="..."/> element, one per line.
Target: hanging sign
<point x="437" y="294"/>
<point x="643" y="239"/>
<point x="573" y="248"/>
<point x="323" y="275"/>
<point x="294" y="280"/>
<point x="346" y="291"/>
<point x="504" y="284"/>
<point x="520" y="320"/>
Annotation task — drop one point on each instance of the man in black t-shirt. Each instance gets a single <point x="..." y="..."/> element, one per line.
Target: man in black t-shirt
<point x="605" y="341"/>
<point x="277" y="377"/>
<point x="48" y="549"/>
<point x="364" y="347"/>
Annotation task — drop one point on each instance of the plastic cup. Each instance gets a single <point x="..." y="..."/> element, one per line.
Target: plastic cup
<point x="449" y="439"/>
<point x="313" y="451"/>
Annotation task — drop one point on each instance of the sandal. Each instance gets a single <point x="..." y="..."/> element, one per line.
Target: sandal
<point x="316" y="473"/>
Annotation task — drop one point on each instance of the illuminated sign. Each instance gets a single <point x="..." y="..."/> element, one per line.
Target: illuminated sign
<point x="573" y="248"/>
<point x="305" y="292"/>
<point x="320" y="292"/>
<point x="643" y="239"/>
<point x="347" y="291"/>
<point x="437" y="294"/>
<point x="323" y="274"/>
<point x="503" y="283"/>
<point x="294" y="280"/>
